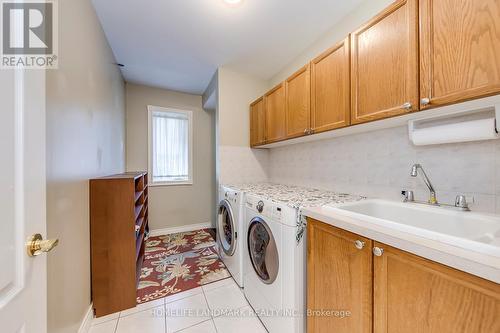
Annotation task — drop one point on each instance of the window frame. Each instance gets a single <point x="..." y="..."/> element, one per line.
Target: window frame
<point x="152" y="109"/>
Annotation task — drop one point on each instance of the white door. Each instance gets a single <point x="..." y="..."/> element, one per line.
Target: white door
<point x="23" y="279"/>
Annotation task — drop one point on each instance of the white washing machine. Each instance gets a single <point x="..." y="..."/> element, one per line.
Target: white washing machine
<point x="274" y="266"/>
<point x="231" y="232"/>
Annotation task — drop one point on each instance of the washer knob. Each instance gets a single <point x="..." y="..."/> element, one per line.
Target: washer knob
<point x="260" y="206"/>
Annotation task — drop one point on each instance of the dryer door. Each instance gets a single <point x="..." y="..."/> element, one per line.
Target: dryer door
<point x="262" y="250"/>
<point x="226" y="228"/>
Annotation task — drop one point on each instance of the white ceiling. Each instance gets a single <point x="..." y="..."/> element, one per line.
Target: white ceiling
<point x="179" y="44"/>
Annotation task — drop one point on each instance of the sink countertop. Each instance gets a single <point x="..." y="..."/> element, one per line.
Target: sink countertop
<point x="479" y="264"/>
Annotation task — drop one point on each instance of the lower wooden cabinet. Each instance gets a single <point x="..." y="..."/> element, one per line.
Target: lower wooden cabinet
<point x="413" y="294"/>
<point x="391" y="291"/>
<point x="339" y="278"/>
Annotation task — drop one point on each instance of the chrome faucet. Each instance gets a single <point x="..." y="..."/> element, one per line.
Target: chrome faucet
<point x="409" y="196"/>
<point x="414" y="173"/>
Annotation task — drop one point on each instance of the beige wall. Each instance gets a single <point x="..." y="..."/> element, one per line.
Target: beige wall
<point x="237" y="163"/>
<point x="367" y="10"/>
<point x="85" y="138"/>
<point x="236" y="92"/>
<point x="179" y="205"/>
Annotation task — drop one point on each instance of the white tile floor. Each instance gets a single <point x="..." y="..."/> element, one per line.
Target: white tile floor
<point x="218" y="307"/>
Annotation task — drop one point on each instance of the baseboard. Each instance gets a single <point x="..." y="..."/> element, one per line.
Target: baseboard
<point x="87" y="320"/>
<point x="184" y="228"/>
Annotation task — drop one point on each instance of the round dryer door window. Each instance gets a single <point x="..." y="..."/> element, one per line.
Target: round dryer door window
<point x="227" y="232"/>
<point x="262" y="250"/>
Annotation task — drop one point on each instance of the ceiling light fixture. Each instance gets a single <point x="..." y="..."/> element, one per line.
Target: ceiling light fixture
<point x="232" y="2"/>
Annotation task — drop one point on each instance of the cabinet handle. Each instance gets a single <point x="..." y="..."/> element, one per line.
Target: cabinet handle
<point x="359" y="244"/>
<point x="407" y="106"/>
<point x="425" y="101"/>
<point x="377" y="251"/>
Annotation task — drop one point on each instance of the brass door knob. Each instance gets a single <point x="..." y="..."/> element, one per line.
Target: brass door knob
<point x="36" y="245"/>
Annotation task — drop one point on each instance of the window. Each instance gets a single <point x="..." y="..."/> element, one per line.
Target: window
<point x="170" y="146"/>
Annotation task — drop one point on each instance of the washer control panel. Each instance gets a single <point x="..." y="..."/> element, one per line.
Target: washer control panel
<point x="265" y="208"/>
<point x="231" y="196"/>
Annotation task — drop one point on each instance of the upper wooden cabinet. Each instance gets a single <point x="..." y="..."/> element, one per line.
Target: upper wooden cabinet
<point x="298" y="103"/>
<point x="412" y="294"/>
<point x="339" y="277"/>
<point x="330" y="89"/>
<point x="414" y="55"/>
<point x="459" y="50"/>
<point x="275" y="114"/>
<point x="384" y="64"/>
<point x="257" y="123"/>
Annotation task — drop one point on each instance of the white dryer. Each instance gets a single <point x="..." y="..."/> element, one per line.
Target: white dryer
<point x="274" y="266"/>
<point x="231" y="231"/>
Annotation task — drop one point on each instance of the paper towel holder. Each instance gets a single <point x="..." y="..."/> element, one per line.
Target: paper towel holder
<point x="495" y="109"/>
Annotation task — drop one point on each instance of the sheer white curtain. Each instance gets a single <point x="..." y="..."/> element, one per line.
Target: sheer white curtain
<point x="170" y="139"/>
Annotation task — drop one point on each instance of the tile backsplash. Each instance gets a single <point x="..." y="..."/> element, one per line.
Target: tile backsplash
<point x="377" y="164"/>
<point x="243" y="165"/>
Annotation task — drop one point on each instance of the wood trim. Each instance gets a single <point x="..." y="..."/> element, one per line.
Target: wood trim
<point x="304" y="69"/>
<point x="412" y="88"/>
<point x="251" y="122"/>
<point x="346" y="44"/>
<point x="276" y="87"/>
<point x="257" y="101"/>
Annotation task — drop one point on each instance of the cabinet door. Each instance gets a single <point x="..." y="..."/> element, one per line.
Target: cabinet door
<point x="275" y="114"/>
<point x="330" y="89"/>
<point x="339" y="277"/>
<point x="412" y="294"/>
<point x="384" y="58"/>
<point x="257" y="123"/>
<point x="459" y="50"/>
<point x="298" y="103"/>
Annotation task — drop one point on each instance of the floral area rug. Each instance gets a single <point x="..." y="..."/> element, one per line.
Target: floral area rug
<point x="179" y="262"/>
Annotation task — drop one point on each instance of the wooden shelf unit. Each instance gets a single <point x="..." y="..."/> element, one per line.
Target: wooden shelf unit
<point x="118" y="231"/>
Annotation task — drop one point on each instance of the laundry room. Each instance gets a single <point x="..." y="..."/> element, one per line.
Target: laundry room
<point x="225" y="166"/>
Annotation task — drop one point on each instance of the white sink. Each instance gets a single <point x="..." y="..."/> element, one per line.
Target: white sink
<point x="467" y="230"/>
